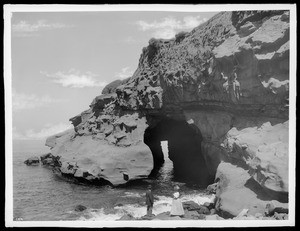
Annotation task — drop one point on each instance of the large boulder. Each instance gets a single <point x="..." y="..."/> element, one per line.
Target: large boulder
<point x="255" y="170"/>
<point x="232" y="195"/>
<point x="190" y="205"/>
<point x="265" y="151"/>
<point x="238" y="191"/>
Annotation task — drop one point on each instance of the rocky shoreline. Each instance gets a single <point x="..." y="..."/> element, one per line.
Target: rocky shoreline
<point x="208" y="210"/>
<point x="203" y="211"/>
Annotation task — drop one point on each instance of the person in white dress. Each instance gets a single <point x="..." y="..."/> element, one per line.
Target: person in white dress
<point x="177" y="208"/>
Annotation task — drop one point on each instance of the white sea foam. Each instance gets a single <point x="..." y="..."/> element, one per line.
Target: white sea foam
<point x="131" y="194"/>
<point x="199" y="199"/>
<point x="163" y="204"/>
<point x="133" y="209"/>
<point x="100" y="215"/>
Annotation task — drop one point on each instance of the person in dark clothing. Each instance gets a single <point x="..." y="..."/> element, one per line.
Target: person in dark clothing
<point x="149" y="201"/>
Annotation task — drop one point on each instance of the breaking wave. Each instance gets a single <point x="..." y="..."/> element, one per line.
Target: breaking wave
<point x="161" y="205"/>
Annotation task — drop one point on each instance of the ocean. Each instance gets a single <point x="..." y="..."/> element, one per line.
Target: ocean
<point x="41" y="195"/>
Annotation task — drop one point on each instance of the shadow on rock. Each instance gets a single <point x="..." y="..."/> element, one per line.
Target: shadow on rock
<point x="266" y="194"/>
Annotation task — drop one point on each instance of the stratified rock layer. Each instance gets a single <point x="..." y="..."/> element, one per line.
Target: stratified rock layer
<point x="227" y="81"/>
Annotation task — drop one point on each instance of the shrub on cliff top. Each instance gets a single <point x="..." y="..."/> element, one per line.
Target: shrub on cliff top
<point x="153" y="42"/>
<point x="111" y="87"/>
<point x="180" y="36"/>
<point x="152" y="49"/>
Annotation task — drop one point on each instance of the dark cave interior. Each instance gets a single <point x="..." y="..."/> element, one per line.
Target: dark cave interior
<point x="184" y="144"/>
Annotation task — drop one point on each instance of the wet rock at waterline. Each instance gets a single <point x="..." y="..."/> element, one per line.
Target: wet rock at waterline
<point x="203" y="210"/>
<point x="193" y="215"/>
<point x="209" y="205"/>
<point x="190" y="205"/>
<point x="219" y="95"/>
<point x="193" y="206"/>
<point x="212" y="188"/>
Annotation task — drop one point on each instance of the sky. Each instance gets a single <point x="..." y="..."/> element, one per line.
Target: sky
<point x="62" y="60"/>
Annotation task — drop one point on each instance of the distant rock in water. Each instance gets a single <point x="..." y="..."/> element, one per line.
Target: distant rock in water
<point x="32" y="161"/>
<point x="80" y="208"/>
<point x="219" y="95"/>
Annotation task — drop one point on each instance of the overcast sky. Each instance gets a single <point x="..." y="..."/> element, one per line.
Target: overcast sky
<point x="61" y="61"/>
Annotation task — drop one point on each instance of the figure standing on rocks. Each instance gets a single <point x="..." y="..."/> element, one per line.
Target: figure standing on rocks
<point x="177" y="208"/>
<point x="149" y="200"/>
<point x="232" y="85"/>
<point x="236" y="84"/>
<point x="225" y="84"/>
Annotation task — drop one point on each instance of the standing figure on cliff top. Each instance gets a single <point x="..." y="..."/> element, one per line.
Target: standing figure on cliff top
<point x="236" y="84"/>
<point x="225" y="84"/>
<point x="149" y="200"/>
<point x="177" y="208"/>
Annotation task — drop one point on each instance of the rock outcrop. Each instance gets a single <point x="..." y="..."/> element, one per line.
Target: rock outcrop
<point x="32" y="161"/>
<point x="105" y="155"/>
<point x="225" y="85"/>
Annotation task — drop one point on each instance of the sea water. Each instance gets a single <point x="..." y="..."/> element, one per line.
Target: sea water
<point x="41" y="195"/>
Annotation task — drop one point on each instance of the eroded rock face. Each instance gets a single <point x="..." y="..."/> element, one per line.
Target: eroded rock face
<point x="107" y="149"/>
<point x="228" y="79"/>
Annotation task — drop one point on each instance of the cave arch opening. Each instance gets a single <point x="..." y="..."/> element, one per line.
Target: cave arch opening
<point x="184" y="149"/>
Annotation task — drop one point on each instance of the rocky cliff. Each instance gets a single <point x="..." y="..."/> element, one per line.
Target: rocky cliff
<point x="218" y="94"/>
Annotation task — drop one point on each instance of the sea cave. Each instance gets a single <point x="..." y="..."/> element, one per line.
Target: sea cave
<point x="184" y="150"/>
